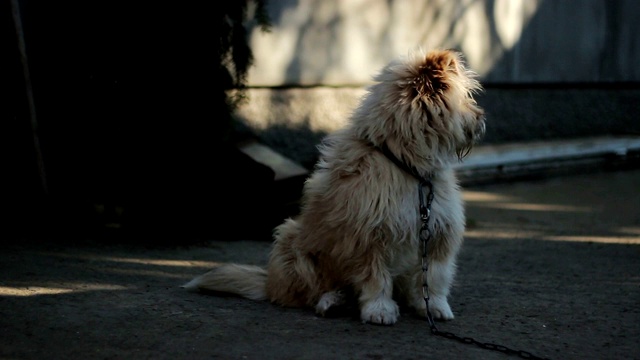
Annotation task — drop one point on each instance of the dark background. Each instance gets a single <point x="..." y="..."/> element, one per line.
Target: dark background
<point x="133" y="122"/>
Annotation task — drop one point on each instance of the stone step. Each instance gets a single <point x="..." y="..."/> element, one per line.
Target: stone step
<point x="283" y="167"/>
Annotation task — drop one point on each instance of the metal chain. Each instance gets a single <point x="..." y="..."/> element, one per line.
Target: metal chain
<point x="425" y="236"/>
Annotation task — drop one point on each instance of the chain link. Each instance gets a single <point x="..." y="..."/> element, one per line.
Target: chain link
<point x="425" y="236"/>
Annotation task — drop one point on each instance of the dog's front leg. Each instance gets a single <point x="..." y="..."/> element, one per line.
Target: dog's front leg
<point x="409" y="287"/>
<point x="376" y="291"/>
<point x="439" y="277"/>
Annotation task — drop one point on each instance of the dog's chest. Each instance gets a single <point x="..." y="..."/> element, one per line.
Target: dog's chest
<point x="445" y="213"/>
<point x="404" y="223"/>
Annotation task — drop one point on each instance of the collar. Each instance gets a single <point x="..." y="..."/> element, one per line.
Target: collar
<point x="411" y="170"/>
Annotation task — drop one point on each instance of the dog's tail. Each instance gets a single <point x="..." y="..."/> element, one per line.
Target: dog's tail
<point x="243" y="280"/>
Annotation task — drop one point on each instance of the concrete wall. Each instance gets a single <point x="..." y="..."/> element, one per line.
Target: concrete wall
<point x="344" y="42"/>
<point x="332" y="48"/>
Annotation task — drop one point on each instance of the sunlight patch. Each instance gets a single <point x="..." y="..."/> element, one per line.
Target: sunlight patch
<point x="520" y="234"/>
<point x="630" y="230"/>
<point x="596" y="239"/>
<point x="479" y="196"/>
<point x="497" y="201"/>
<point x="500" y="235"/>
<point x="141" y="261"/>
<point x="162" y="262"/>
<point x="42" y="290"/>
<point x="539" y="207"/>
<point x="142" y="272"/>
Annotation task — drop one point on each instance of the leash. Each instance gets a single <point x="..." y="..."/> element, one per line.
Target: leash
<point x="425" y="235"/>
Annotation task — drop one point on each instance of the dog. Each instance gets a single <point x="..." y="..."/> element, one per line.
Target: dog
<point x="357" y="236"/>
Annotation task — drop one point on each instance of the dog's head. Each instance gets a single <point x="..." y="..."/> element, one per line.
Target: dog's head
<point x="424" y="103"/>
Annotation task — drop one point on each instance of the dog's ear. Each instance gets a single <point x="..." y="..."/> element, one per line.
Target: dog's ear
<point x="434" y="72"/>
<point x="449" y="60"/>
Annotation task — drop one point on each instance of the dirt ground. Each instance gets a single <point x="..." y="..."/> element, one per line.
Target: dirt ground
<point x="551" y="267"/>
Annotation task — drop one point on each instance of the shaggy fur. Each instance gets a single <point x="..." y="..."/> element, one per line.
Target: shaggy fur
<point x="358" y="229"/>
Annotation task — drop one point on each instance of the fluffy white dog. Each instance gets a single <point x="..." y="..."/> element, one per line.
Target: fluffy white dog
<point x="360" y="232"/>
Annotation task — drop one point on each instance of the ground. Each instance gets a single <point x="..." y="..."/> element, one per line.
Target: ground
<point x="550" y="267"/>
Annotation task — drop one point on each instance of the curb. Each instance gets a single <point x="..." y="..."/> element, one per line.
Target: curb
<point x="520" y="161"/>
<point x="488" y="164"/>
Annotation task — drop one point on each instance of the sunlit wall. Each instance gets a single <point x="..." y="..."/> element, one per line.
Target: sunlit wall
<point x="344" y="42"/>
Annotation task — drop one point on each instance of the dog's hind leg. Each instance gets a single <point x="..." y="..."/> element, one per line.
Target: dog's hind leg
<point x="330" y="300"/>
<point x="291" y="277"/>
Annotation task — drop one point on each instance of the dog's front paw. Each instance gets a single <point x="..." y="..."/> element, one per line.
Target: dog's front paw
<point x="440" y="308"/>
<point x="380" y="311"/>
